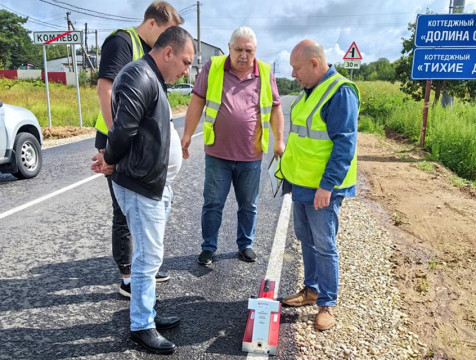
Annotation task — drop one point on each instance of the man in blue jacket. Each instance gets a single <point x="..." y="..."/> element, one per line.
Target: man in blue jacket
<point x="320" y="163"/>
<point x="138" y="146"/>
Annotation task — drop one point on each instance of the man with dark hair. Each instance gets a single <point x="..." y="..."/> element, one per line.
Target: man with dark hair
<point x="141" y="130"/>
<point x="119" y="49"/>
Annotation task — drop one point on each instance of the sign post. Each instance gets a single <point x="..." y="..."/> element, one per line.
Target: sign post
<point x="445" y="49"/>
<point x="53" y="38"/>
<point x="352" y="58"/>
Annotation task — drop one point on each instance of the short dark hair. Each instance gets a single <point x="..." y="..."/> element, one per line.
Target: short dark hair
<point x="175" y="37"/>
<point x="162" y="12"/>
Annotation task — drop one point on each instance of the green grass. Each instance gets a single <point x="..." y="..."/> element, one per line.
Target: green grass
<point x="450" y="134"/>
<point x="426" y="166"/>
<point x="63" y="101"/>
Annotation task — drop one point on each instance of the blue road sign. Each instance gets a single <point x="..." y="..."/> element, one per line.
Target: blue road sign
<point x="449" y="30"/>
<point x="444" y="64"/>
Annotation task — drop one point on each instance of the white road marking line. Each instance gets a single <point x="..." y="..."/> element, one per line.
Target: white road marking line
<point x="46" y="197"/>
<point x="277" y="253"/>
<point x="200" y="133"/>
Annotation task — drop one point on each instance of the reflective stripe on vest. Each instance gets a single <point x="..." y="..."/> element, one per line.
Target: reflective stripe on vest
<point x="214" y="95"/>
<point x="309" y="147"/>
<point x="137" y="53"/>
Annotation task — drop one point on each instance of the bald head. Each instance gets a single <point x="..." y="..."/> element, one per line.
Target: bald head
<point x="308" y="60"/>
<point x="310" y="49"/>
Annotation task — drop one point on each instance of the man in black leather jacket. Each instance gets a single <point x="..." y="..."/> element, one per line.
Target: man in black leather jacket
<point x="120" y="48"/>
<point x="138" y="146"/>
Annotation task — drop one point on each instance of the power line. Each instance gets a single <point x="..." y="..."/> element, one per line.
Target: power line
<point x="97" y="12"/>
<point x="111" y="17"/>
<point x="32" y="19"/>
<point x="301" y="27"/>
<point x="102" y="15"/>
<point x="301" y="17"/>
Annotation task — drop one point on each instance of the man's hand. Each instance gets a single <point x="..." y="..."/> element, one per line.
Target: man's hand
<point x="278" y="148"/>
<point x="186" y="141"/>
<point x="100" y="165"/>
<point x="322" y="198"/>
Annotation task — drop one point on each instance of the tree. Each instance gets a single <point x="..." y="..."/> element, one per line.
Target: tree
<point x="286" y="86"/>
<point x="382" y="69"/>
<point x="16" y="47"/>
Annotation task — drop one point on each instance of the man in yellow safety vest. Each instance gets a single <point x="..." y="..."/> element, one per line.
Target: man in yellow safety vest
<point x="241" y="102"/>
<point x="320" y="163"/>
<point x="120" y="48"/>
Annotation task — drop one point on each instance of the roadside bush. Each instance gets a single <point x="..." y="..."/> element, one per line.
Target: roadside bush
<point x="452" y="138"/>
<point x="450" y="134"/>
<point x="367" y="125"/>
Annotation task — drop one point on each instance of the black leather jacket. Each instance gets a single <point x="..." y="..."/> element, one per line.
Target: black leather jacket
<point x="138" y="142"/>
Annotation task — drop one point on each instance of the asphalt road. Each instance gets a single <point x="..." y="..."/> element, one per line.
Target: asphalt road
<point x="59" y="284"/>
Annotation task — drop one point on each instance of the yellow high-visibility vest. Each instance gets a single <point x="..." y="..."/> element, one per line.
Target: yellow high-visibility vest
<point x="214" y="94"/>
<point x="137" y="53"/>
<point x="309" y="147"/>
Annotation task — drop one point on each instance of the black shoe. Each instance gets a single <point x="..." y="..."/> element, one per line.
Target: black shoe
<point x="162" y="276"/>
<point x="247" y="255"/>
<point x="165" y="323"/>
<point x="206" y="257"/>
<point x="153" y="341"/>
<point x="125" y="290"/>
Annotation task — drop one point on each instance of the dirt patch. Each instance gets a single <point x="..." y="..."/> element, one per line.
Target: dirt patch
<point x="62" y="132"/>
<point x="433" y="224"/>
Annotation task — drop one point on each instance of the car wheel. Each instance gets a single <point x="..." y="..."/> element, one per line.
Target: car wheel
<point x="27" y="155"/>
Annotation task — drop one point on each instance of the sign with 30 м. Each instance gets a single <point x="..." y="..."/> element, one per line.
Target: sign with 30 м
<point x="57" y="37"/>
<point x="351" y="64"/>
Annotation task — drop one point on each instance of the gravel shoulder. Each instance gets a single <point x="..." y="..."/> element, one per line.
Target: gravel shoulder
<point x="407" y="264"/>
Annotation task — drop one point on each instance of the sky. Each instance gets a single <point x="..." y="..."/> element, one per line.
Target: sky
<point x="377" y="27"/>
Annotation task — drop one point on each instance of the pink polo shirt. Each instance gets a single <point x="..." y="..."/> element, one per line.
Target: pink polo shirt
<point x="237" y="125"/>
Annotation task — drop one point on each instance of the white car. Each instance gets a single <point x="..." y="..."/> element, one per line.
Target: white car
<point x="20" y="142"/>
<point x="183" y="89"/>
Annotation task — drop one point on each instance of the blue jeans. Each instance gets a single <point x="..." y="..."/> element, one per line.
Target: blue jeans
<point x="219" y="175"/>
<point x="317" y="231"/>
<point x="146" y="219"/>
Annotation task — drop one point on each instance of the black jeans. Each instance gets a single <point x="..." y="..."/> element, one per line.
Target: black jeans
<point x="122" y="243"/>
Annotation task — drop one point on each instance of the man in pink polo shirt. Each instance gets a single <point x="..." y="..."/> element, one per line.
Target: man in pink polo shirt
<point x="241" y="102"/>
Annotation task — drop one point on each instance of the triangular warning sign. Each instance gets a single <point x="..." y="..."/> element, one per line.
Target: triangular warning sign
<point x="353" y="53"/>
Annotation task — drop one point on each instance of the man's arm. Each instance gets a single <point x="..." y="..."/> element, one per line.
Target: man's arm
<point x="341" y="120"/>
<point x="104" y="91"/>
<point x="192" y="118"/>
<point x="277" y="125"/>
<point x="132" y="97"/>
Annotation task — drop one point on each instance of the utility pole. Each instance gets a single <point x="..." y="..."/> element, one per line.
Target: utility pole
<point x="97" y="51"/>
<point x="82" y="46"/>
<point x="85" y="44"/>
<point x="199" y="50"/>
<point x="456" y="7"/>
<point x="67" y="46"/>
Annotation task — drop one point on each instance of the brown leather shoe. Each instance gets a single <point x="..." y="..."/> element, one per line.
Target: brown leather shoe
<point x="325" y="318"/>
<point x="304" y="297"/>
